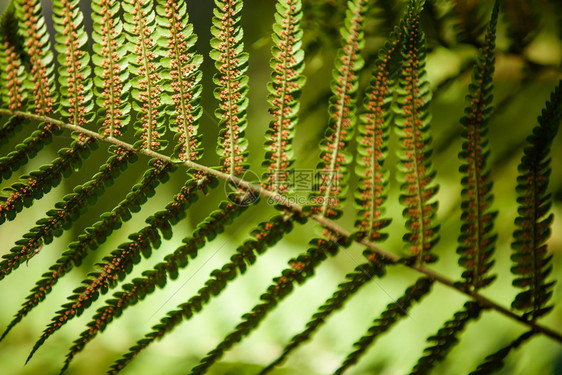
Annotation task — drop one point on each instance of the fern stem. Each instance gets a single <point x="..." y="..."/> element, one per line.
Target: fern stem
<point x="326" y="223"/>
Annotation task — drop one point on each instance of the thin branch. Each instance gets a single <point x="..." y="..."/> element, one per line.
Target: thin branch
<point x="327" y="223"/>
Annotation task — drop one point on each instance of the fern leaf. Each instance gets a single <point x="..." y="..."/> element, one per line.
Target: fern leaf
<point x="494" y="362"/>
<point x="40" y="181"/>
<point x="147" y="91"/>
<point x="74" y="72"/>
<point x="110" y="68"/>
<point x="94" y="236"/>
<point x="231" y="85"/>
<point x="362" y="274"/>
<point x="532" y="264"/>
<point x="120" y="262"/>
<point x="333" y="174"/>
<point x="284" y="91"/>
<point x="65" y="213"/>
<point x="394" y="312"/>
<point x="446" y="338"/>
<point x="266" y="235"/>
<point x="38" y="48"/>
<point x="27" y="149"/>
<point x="183" y="65"/>
<point x="11" y="62"/>
<point x="141" y="287"/>
<point x="412" y="126"/>
<point x="477" y="242"/>
<point x="372" y="149"/>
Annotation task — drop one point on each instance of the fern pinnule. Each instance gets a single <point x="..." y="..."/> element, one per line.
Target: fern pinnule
<point x="477" y="242"/>
<point x="121" y="261"/>
<point x="182" y="63"/>
<point x="531" y="262"/>
<point x="332" y="169"/>
<point x="265" y="236"/>
<point x="74" y="71"/>
<point x="25" y="150"/>
<point x="393" y="313"/>
<point x="413" y="128"/>
<point x="66" y="212"/>
<point x="446" y="338"/>
<point x="355" y="280"/>
<point x="494" y="362"/>
<point x="38" y="48"/>
<point x="146" y="80"/>
<point x="110" y="68"/>
<point x="33" y="185"/>
<point x="284" y="91"/>
<point x="139" y="288"/>
<point x="12" y="69"/>
<point x="231" y="85"/>
<point x="94" y="236"/>
<point x="372" y="146"/>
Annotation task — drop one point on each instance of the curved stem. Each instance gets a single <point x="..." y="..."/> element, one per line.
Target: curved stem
<point x="327" y="223"/>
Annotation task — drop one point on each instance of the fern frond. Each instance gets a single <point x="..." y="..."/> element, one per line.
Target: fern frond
<point x="393" y="313"/>
<point x="12" y="69"/>
<point x="121" y="261"/>
<point x="39" y="182"/>
<point x="446" y="338"/>
<point x="38" y="48"/>
<point x="532" y="263"/>
<point x="94" y="236"/>
<point x="359" y="277"/>
<point x="284" y="91"/>
<point x="477" y="242"/>
<point x="494" y="362"/>
<point x="231" y="85"/>
<point x="146" y="81"/>
<point x="265" y="236"/>
<point x="301" y="269"/>
<point x="141" y="287"/>
<point x="183" y="65"/>
<point x="74" y="72"/>
<point x="413" y="129"/>
<point x="65" y="213"/>
<point x="110" y="68"/>
<point x="332" y="169"/>
<point x="372" y="146"/>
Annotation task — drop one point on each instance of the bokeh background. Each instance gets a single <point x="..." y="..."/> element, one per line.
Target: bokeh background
<point x="528" y="67"/>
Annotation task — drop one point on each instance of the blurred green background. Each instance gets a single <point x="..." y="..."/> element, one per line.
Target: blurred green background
<point x="528" y="67"/>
